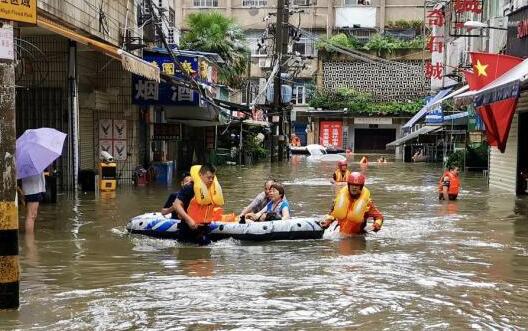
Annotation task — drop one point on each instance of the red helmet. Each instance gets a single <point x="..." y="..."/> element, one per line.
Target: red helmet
<point x="341" y="163"/>
<point x="356" y="178"/>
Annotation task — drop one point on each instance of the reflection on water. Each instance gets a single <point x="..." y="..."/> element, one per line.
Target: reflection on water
<point x="450" y="265"/>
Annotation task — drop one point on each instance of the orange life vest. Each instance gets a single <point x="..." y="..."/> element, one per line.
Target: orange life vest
<point x="340" y="177"/>
<point x="454" y="184"/>
<point x="349" y="212"/>
<point x="202" y="213"/>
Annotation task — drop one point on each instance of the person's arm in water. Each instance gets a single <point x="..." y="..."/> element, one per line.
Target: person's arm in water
<point x="374" y="212"/>
<point x="445" y="188"/>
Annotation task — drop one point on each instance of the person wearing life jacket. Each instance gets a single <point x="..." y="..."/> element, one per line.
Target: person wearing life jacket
<point x="449" y="184"/>
<point x="341" y="173"/>
<point x="199" y="204"/>
<point x="295" y="140"/>
<point x="353" y="207"/>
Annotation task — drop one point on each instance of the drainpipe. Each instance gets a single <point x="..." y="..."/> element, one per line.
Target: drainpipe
<point x="73" y="110"/>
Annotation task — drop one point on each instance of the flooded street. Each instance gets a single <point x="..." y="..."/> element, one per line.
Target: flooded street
<point x="438" y="266"/>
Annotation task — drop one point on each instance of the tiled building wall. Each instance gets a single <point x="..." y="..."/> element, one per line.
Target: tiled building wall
<point x="385" y="82"/>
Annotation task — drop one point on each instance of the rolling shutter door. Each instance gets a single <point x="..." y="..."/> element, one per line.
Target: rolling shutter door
<point x="86" y="138"/>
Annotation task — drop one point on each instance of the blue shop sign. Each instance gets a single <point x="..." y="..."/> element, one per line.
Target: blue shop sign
<point x="146" y="92"/>
<point x="435" y="116"/>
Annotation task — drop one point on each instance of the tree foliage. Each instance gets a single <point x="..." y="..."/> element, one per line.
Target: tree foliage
<point x="215" y="33"/>
<point x="361" y="103"/>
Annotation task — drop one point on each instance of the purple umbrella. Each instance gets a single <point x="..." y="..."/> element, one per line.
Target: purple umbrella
<point x="36" y="149"/>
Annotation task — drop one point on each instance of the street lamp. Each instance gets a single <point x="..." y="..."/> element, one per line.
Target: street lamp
<point x="479" y="25"/>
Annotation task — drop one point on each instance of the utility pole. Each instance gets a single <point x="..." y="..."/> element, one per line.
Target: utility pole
<point x="9" y="265"/>
<point x="281" y="47"/>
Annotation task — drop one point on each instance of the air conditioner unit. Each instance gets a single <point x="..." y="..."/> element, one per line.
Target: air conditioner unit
<point x="265" y="63"/>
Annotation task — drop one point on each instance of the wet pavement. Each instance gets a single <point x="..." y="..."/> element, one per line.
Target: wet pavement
<point x="438" y="266"/>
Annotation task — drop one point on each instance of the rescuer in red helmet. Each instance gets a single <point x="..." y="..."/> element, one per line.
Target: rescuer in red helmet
<point x="341" y="173"/>
<point x="353" y="207"/>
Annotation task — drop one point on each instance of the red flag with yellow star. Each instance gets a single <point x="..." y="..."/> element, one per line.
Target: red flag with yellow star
<point x="496" y="116"/>
<point x="487" y="67"/>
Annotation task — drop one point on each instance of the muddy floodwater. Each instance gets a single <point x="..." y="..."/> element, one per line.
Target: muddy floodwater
<point x="434" y="266"/>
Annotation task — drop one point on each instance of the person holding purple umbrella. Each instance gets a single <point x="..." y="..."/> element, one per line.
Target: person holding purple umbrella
<point x="34" y="188"/>
<point x="36" y="149"/>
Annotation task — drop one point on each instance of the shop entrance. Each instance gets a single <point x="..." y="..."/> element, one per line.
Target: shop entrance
<point x="373" y="140"/>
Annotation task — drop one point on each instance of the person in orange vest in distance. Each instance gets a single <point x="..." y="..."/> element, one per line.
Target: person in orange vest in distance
<point x="192" y="214"/>
<point x="295" y="140"/>
<point x="341" y="173"/>
<point x="449" y="184"/>
<point x="358" y="208"/>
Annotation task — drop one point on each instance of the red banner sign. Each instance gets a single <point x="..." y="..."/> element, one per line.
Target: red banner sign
<point x="331" y="134"/>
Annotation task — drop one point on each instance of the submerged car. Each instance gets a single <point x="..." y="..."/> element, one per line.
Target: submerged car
<point x="319" y="153"/>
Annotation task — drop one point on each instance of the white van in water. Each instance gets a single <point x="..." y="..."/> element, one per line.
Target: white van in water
<point x="318" y="153"/>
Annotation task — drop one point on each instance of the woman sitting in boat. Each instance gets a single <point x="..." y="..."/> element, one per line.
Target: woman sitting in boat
<point x="277" y="209"/>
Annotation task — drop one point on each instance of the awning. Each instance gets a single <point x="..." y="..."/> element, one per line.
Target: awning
<point x="456" y="116"/>
<point x="430" y="106"/>
<point x="505" y="87"/>
<point x="425" y="108"/>
<point x="256" y="123"/>
<point x="413" y="135"/>
<point x="129" y="61"/>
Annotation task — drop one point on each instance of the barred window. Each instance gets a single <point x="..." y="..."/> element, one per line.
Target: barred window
<point x="205" y="3"/>
<point x="254" y="3"/>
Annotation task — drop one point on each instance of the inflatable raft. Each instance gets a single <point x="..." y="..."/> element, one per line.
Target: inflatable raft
<point x="156" y="225"/>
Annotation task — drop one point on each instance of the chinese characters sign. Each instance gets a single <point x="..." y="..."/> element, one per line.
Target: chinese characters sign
<point x="19" y="10"/>
<point x="6" y="42"/>
<point x="331" y="134"/>
<point x="434" y="69"/>
<point x="148" y="92"/>
<point x="463" y="11"/>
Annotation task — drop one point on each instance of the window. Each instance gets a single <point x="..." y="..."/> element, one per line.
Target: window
<point x="253" y="45"/>
<point x="205" y="3"/>
<point x="254" y="3"/>
<point x="171" y="28"/>
<point x="304" y="2"/>
<point x="304" y="47"/>
<point x="356" y="2"/>
<point x="302" y="92"/>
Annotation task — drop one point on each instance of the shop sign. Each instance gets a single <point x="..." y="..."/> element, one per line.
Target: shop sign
<point x="373" y="120"/>
<point x="6" y="42"/>
<point x="517" y="42"/>
<point x="434" y="69"/>
<point x="463" y="11"/>
<point x="331" y="134"/>
<point x="19" y="10"/>
<point x="147" y="92"/>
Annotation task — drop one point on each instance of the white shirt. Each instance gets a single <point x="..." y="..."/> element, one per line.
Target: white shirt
<point x="34" y="184"/>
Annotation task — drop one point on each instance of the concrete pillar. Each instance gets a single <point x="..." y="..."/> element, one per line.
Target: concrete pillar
<point x="382" y="15"/>
<point x="229" y="11"/>
<point x="330" y="18"/>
